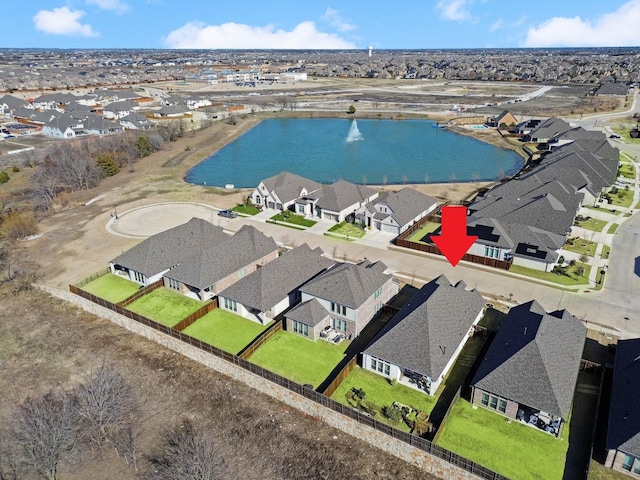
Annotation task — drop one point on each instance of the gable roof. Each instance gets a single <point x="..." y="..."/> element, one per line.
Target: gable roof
<point x="214" y="263"/>
<point x="310" y="312"/>
<point x="12" y="102"/>
<point x="624" y="416"/>
<point x="406" y="204"/>
<point x="167" y="249"/>
<point x="287" y="186"/>
<point x="348" y="284"/>
<point x="270" y="284"/>
<point x="341" y="195"/>
<point x="425" y="333"/>
<point x="534" y="359"/>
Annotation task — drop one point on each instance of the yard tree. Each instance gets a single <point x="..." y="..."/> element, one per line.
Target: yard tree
<point x="352" y="109"/>
<point x="584" y="258"/>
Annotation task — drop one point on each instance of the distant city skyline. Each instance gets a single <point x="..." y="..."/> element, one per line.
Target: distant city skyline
<point x="285" y="24"/>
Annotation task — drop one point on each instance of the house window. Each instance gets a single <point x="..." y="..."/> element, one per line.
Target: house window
<point x="339" y="324"/>
<point x="485" y="399"/>
<point x="139" y="277"/>
<point x="301" y="328"/>
<point x="502" y="405"/>
<point x="378" y="293"/>
<point x="637" y="469"/>
<point x="339" y="309"/>
<point x="628" y="462"/>
<point x="174" y="284"/>
<point x="230" y="304"/>
<point x="493" y="402"/>
<point x="301" y="209"/>
<point x="380" y="366"/>
<point x="492" y="252"/>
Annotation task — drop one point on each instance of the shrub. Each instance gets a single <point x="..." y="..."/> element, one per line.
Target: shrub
<point x="4" y="177"/>
<point x="352" y="109"/>
<point x="18" y="225"/>
<point x="360" y="393"/>
<point x="572" y="263"/>
<point x="106" y="165"/>
<point x="393" y="414"/>
<point x="15" y="169"/>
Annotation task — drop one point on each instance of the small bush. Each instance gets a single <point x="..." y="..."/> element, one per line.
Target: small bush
<point x="15" y="169"/>
<point x="393" y="414"/>
<point x="4" y="177"/>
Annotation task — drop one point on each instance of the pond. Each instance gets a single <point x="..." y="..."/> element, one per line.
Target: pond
<point x="385" y="152"/>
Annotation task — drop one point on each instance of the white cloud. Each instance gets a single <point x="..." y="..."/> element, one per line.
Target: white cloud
<point x="495" y="26"/>
<point x="457" y="10"/>
<point x="63" y="21"/>
<point x="333" y="18"/>
<point x="113" y="5"/>
<point x="616" y="29"/>
<point x="237" y="35"/>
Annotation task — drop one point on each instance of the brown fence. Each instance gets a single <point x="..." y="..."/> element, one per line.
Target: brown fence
<point x="340" y="377"/>
<point x="258" y="342"/>
<point x="413" y="440"/>
<point x="197" y="315"/>
<point x="447" y="413"/>
<point x="83" y="282"/>
<point x="141" y="293"/>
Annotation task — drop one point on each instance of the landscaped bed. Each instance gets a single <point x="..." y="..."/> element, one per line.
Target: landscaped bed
<point x="111" y="287"/>
<point x="580" y="245"/>
<point x="289" y="217"/>
<point x="299" y="359"/>
<point x="380" y="393"/>
<point x="225" y="330"/>
<point x="347" y="229"/>
<point x="507" y="447"/>
<point x="165" y="306"/>
<point x="590" y="223"/>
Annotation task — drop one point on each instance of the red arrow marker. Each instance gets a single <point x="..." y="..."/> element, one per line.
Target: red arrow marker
<point x="454" y="241"/>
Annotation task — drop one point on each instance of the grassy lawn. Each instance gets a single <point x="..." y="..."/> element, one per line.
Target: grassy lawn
<point x="600" y="472"/>
<point x="623" y="131"/>
<point x="580" y="245"/>
<point x="246" y="209"/>
<point x="570" y="279"/>
<point x="225" y="330"/>
<point x="509" y="448"/>
<point x="348" y="229"/>
<point x="613" y="228"/>
<point x="165" y="306"/>
<point x="289" y="217"/>
<point x="426" y="229"/>
<point x="111" y="287"/>
<point x="592" y="224"/>
<point x="601" y="209"/>
<point x="625" y="201"/>
<point x="299" y="359"/>
<point x="380" y="393"/>
<point x="628" y="170"/>
<point x="606" y="250"/>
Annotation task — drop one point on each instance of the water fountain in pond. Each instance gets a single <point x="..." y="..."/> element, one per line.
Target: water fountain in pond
<point x="354" y="134"/>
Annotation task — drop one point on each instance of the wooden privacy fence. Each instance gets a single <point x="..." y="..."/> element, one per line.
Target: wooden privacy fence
<point x="197" y="315"/>
<point x="344" y="373"/>
<point x="319" y="398"/>
<point x="258" y="342"/>
<point x="141" y="293"/>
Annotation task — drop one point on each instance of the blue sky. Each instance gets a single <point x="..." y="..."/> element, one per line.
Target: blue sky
<point x="402" y="24"/>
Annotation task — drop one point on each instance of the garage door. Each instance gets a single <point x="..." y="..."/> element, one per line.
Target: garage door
<point x="389" y="228"/>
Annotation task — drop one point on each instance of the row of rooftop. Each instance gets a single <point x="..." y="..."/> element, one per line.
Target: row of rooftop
<point x="44" y="69"/>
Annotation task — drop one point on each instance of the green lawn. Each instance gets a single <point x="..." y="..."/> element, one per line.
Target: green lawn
<point x="513" y="450"/>
<point x="600" y="472"/>
<point x="580" y="245"/>
<point x="348" y="229"/>
<point x="600" y="208"/>
<point x="568" y="280"/>
<point x="623" y="131"/>
<point x="225" y="330"/>
<point x="246" y="209"/>
<point x="289" y="217"/>
<point x="613" y="228"/>
<point x="592" y="224"/>
<point x="427" y="228"/>
<point x="625" y="201"/>
<point x="628" y="170"/>
<point x="380" y="393"/>
<point x="165" y="306"/>
<point x="111" y="287"/>
<point x="298" y="358"/>
<point x="606" y="249"/>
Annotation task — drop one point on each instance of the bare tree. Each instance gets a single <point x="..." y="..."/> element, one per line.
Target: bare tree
<point x="45" y="428"/>
<point x="10" y="465"/>
<point x="187" y="453"/>
<point x="107" y="404"/>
